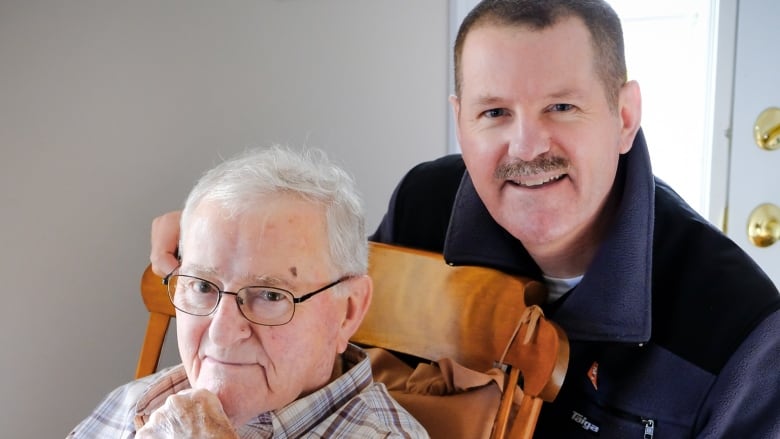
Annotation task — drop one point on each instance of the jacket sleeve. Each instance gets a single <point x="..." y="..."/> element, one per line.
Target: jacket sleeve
<point x="745" y="399"/>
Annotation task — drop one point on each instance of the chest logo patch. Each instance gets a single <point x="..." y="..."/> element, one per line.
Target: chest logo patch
<point x="593" y="374"/>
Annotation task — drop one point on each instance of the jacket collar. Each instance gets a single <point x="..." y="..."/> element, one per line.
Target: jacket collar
<point x="613" y="300"/>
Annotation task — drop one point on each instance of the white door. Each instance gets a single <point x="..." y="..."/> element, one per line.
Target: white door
<point x="754" y="176"/>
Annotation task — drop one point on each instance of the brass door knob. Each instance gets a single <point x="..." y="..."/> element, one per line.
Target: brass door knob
<point x="767" y="129"/>
<point x="764" y="225"/>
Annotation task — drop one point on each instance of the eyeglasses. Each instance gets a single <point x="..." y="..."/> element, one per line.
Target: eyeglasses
<point x="267" y="306"/>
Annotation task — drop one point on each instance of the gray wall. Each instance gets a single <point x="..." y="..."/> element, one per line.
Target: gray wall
<point x="109" y="111"/>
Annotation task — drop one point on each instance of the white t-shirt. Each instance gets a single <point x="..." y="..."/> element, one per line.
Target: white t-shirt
<point x="557" y="287"/>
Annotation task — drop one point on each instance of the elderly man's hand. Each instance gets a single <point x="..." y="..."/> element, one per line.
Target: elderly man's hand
<point x="189" y="414"/>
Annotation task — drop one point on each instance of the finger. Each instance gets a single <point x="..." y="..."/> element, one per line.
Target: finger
<point x="164" y="240"/>
<point x="200" y="401"/>
<point x="156" y="427"/>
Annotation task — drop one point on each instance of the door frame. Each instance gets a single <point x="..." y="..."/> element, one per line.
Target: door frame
<point x="723" y="39"/>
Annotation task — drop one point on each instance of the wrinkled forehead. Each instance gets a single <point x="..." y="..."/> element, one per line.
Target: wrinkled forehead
<point x="279" y="235"/>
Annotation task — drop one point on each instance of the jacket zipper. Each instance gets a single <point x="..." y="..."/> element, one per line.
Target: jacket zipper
<point x="649" y="424"/>
<point x="649" y="428"/>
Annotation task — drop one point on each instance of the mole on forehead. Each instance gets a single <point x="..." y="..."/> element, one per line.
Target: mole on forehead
<point x="294" y="271"/>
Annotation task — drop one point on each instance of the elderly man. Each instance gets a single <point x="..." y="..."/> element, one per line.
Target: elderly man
<point x="280" y="237"/>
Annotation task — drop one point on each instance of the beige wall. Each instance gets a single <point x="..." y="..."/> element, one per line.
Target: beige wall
<point x="109" y="110"/>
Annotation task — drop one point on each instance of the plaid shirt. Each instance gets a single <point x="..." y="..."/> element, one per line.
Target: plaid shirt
<point x="351" y="406"/>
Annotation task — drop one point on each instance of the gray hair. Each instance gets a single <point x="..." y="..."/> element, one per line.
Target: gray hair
<point x="238" y="182"/>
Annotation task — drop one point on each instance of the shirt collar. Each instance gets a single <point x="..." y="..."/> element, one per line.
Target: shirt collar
<point x="613" y="300"/>
<point x="305" y="413"/>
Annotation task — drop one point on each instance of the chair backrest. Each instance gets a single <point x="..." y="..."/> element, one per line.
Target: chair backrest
<point x="155" y="297"/>
<point x="425" y="308"/>
<point x="473" y="315"/>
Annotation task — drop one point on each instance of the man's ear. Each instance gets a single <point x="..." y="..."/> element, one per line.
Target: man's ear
<point x="358" y="299"/>
<point x="455" y="104"/>
<point x="630" y="112"/>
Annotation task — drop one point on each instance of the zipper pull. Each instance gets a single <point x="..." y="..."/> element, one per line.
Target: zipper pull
<point x="649" y="428"/>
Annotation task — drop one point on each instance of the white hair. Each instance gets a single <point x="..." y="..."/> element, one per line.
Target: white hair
<point x="238" y="182"/>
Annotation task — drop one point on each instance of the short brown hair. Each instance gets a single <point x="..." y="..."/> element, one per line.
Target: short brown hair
<point x="601" y="20"/>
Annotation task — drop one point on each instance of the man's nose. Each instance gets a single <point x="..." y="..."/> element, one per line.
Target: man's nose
<point x="228" y="324"/>
<point x="528" y="138"/>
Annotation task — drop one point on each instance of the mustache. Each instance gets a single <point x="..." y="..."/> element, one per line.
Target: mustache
<point x="521" y="168"/>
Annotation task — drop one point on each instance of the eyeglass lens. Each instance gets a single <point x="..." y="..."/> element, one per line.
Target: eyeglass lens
<point x="261" y="305"/>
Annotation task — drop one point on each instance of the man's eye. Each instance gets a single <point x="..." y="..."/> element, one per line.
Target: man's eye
<point x="494" y="112"/>
<point x="203" y="287"/>
<point x="271" y="296"/>
<point x="561" y="107"/>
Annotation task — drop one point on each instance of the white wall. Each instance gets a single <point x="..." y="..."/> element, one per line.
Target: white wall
<point x="109" y="111"/>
